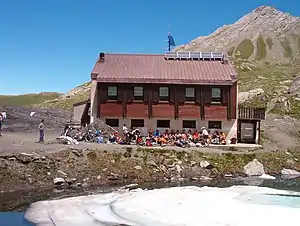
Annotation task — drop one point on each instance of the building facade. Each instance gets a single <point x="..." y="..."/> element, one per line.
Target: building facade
<point x="165" y="92"/>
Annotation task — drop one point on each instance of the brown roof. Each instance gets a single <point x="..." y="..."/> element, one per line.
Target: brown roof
<point x="142" y="68"/>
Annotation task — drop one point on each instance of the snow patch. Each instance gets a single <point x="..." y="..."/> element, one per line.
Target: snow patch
<point x="189" y="206"/>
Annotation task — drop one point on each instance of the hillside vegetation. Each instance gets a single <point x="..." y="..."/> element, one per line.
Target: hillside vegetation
<point x="66" y="101"/>
<point x="27" y="99"/>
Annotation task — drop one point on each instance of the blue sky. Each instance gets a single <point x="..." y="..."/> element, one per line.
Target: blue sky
<point x="53" y="45"/>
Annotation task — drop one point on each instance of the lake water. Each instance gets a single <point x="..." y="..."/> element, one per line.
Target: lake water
<point x="286" y="201"/>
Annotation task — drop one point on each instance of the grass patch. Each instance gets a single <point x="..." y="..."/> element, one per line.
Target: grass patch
<point x="67" y="102"/>
<point x="269" y="43"/>
<point x="245" y="49"/>
<point x="27" y="99"/>
<point x="231" y="51"/>
<point x="288" y="52"/>
<point x="261" y="48"/>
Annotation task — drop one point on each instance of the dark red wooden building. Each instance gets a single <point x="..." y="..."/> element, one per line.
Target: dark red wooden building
<point x="178" y="90"/>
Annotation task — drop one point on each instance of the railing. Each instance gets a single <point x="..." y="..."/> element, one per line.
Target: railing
<point x="252" y="113"/>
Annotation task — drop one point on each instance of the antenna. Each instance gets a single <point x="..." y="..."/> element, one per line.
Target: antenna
<point x="171" y="41"/>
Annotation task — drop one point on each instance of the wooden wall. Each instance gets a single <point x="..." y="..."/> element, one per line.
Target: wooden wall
<point x="176" y="107"/>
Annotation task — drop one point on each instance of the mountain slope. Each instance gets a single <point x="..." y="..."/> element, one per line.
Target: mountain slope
<point x="264" y="46"/>
<point x="78" y="94"/>
<point x="27" y="99"/>
<point x="263" y="34"/>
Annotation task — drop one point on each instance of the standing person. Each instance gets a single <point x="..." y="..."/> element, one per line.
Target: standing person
<point x="1" y="121"/>
<point x="42" y="131"/>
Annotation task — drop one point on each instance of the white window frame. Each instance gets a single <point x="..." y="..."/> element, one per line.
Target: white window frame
<point x="190" y="92"/>
<point x="112" y="91"/>
<point x="138" y="91"/>
<point x="164" y="91"/>
<point x="213" y="94"/>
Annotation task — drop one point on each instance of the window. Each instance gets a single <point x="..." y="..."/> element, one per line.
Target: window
<point x="216" y="96"/>
<point x="137" y="122"/>
<point x="138" y="93"/>
<point x="112" y="122"/>
<point x="189" y="124"/>
<point x="163" y="124"/>
<point x="112" y="93"/>
<point x="164" y="93"/>
<point x="214" y="125"/>
<point x="190" y="94"/>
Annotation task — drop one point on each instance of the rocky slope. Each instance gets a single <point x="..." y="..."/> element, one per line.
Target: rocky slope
<point x="263" y="34"/>
<point x="19" y="119"/>
<point x="79" y="93"/>
<point x="264" y="46"/>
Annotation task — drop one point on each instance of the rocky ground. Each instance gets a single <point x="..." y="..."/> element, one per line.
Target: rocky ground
<point x="19" y="119"/>
<point x="30" y="165"/>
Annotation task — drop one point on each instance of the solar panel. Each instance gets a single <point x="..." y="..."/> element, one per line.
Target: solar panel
<point x="195" y="55"/>
<point x="183" y="55"/>
<point x="171" y="40"/>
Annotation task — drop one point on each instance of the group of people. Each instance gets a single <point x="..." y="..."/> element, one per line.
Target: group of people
<point x="176" y="138"/>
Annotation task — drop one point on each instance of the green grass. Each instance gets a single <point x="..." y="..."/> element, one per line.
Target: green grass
<point x="288" y="52"/>
<point x="231" y="51"/>
<point x="245" y="49"/>
<point x="67" y="103"/>
<point x="261" y="48"/>
<point x="27" y="99"/>
<point x="269" y="43"/>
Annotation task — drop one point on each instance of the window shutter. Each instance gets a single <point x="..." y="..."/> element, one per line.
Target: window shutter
<point x="198" y="95"/>
<point x="120" y="92"/>
<point x="181" y="95"/>
<point x="172" y="94"/>
<point x="146" y="94"/>
<point x="129" y="94"/>
<point x="225" y="93"/>
<point x="102" y="94"/>
<point x="155" y="94"/>
<point x="207" y="95"/>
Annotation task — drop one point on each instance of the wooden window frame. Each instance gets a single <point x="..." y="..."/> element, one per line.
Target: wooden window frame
<point x="115" y="125"/>
<point x="138" y="97"/>
<point x="164" y="97"/>
<point x="161" y="120"/>
<point x="112" y="97"/>
<point x="216" y="100"/>
<point x="190" y="98"/>
<point x="194" y="122"/>
<point x="218" y="125"/>
<point x="137" y="123"/>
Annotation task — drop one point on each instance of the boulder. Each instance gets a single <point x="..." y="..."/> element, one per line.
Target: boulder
<point x="246" y="96"/>
<point x="206" y="165"/>
<point x="289" y="174"/>
<point x="58" y="181"/>
<point x="254" y="168"/>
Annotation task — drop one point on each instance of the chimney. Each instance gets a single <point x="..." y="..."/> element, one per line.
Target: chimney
<point x="101" y="57"/>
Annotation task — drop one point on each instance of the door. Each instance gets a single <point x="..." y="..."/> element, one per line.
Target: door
<point x="247" y="133"/>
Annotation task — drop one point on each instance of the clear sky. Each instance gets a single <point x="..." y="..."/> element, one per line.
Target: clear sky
<point x="53" y="45"/>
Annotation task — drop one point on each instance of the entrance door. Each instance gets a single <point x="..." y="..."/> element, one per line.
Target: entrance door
<point x="247" y="133"/>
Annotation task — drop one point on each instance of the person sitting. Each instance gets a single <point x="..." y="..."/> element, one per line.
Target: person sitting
<point x="162" y="141"/>
<point x="157" y="133"/>
<point x="222" y="138"/>
<point x="196" y="136"/>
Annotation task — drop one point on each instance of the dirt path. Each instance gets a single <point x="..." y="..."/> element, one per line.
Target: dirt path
<point x="12" y="142"/>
